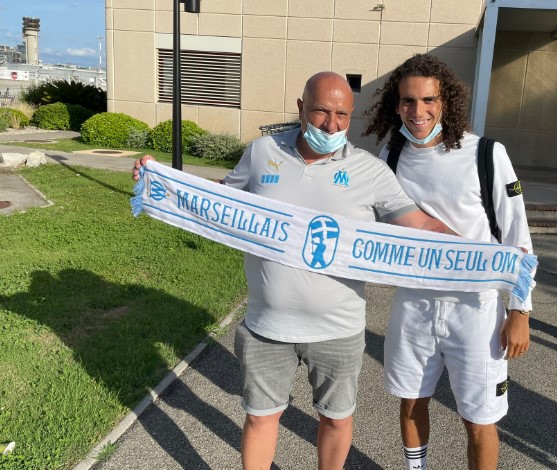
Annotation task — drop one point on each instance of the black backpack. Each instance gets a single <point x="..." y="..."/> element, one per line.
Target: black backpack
<point x="485" y="175"/>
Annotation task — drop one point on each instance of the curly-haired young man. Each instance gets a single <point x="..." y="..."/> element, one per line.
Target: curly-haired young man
<point x="423" y="105"/>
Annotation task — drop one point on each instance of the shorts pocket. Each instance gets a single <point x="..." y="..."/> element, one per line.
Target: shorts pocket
<point x="497" y="382"/>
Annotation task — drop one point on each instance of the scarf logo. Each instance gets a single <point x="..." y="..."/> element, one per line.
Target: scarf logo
<point x="321" y="242"/>
<point x="158" y="191"/>
<point x="341" y="178"/>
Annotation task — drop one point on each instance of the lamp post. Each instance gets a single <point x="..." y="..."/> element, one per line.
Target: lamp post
<point x="100" y="53"/>
<point x="97" y="82"/>
<point x="191" y="6"/>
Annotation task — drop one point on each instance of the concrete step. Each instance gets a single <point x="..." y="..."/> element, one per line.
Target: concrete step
<point x="541" y="211"/>
<point x="542" y="226"/>
<point x="542" y="218"/>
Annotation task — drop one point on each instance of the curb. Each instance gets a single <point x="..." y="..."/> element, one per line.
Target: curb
<point x="152" y="397"/>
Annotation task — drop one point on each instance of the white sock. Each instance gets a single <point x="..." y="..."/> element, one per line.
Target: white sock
<point x="416" y="457"/>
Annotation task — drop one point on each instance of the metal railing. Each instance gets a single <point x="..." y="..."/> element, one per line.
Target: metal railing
<point x="279" y="127"/>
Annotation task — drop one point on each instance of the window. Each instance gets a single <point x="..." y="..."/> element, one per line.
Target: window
<point x="355" y="82"/>
<point x="207" y="78"/>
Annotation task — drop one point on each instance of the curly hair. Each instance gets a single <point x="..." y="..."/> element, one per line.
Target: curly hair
<point x="454" y="96"/>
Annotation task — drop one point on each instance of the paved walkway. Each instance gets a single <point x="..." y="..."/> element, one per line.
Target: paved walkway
<point x="196" y="420"/>
<point x="20" y="195"/>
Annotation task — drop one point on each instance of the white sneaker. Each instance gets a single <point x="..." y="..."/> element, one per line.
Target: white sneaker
<point x="7" y="447"/>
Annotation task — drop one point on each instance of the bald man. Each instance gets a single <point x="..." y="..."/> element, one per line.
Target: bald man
<point x="294" y="315"/>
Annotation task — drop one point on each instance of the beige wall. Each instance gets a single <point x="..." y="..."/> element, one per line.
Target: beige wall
<point x="523" y="98"/>
<point x="285" y="41"/>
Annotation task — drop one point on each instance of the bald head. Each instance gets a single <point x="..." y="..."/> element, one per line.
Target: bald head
<point x="327" y="102"/>
<point x="329" y="83"/>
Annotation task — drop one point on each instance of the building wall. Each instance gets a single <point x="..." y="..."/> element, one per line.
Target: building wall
<point x="283" y="43"/>
<point x="523" y="97"/>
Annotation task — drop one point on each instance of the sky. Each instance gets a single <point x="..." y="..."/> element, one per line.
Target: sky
<point x="69" y="29"/>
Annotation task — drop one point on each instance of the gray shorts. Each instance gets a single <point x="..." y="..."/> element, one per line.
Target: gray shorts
<point x="268" y="369"/>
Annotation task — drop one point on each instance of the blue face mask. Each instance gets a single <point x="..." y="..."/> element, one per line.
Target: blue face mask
<point x="426" y="140"/>
<point x="321" y="142"/>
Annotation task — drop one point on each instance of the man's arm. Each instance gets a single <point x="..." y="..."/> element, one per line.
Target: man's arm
<point x="420" y="220"/>
<point x="515" y="334"/>
<point x="511" y="217"/>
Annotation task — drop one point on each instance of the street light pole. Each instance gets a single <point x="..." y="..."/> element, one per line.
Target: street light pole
<point x="191" y="6"/>
<point x="100" y="53"/>
<point x="100" y="61"/>
<point x="176" y="93"/>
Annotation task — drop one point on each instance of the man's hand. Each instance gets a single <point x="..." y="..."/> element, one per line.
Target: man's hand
<point x="419" y="219"/>
<point x="138" y="164"/>
<point x="515" y="334"/>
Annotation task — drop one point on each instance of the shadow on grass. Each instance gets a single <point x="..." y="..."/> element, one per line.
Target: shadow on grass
<point x="115" y="331"/>
<point x="85" y="174"/>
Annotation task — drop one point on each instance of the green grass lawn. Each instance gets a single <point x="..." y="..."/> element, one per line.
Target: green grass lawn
<point x="95" y="308"/>
<point x="76" y="144"/>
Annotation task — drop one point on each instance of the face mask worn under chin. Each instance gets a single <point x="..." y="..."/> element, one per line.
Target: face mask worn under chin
<point x="426" y="140"/>
<point x="321" y="142"/>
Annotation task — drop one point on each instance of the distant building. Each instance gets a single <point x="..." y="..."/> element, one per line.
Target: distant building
<point x="244" y="62"/>
<point x="12" y="55"/>
<point x="28" y="52"/>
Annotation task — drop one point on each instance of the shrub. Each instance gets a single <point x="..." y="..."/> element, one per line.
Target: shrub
<point x="33" y="95"/>
<point x="16" y="118"/>
<point x="217" y="147"/>
<point x="4" y="121"/>
<point x="78" y="115"/>
<point x="160" y="137"/>
<point x="61" y="91"/>
<point x="138" y="138"/>
<point x="111" y="129"/>
<point x="25" y="108"/>
<point x="61" y="116"/>
<point x="52" y="116"/>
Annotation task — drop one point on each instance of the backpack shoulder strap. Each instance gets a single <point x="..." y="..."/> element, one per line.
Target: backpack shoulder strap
<point x="486" y="175"/>
<point x="392" y="158"/>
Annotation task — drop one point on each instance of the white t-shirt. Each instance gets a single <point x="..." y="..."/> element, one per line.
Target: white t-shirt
<point x="294" y="305"/>
<point x="447" y="187"/>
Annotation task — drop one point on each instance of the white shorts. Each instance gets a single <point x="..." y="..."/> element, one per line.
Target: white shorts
<point x="425" y="334"/>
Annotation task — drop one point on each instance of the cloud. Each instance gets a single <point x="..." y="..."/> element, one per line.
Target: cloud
<point x="83" y="52"/>
<point x="50" y="51"/>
